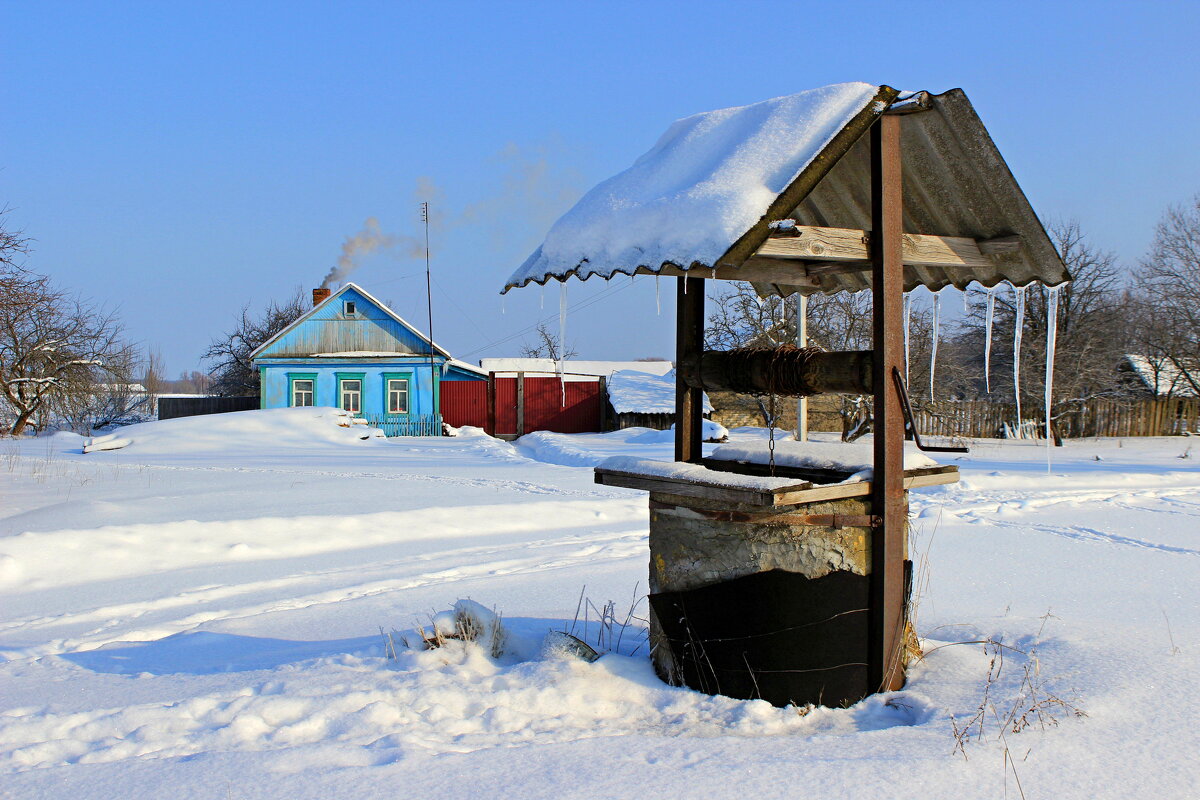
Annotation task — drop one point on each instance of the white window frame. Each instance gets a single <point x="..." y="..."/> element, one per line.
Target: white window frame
<point x="309" y="394"/>
<point x="391" y="409"/>
<point x="343" y="391"/>
<point x="349" y="308"/>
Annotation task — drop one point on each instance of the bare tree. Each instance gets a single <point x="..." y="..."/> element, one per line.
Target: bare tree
<point x="1092" y="334"/>
<point x="546" y="345"/>
<point x="53" y="346"/>
<point x="1169" y="293"/>
<point x="232" y="373"/>
<point x="842" y="321"/>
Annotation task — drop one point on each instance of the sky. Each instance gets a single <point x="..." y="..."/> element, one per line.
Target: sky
<point x="178" y="161"/>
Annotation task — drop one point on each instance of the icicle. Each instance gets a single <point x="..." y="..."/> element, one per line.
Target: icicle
<point x="503" y="304"/>
<point x="562" y="338"/>
<point x="657" y="298"/>
<point x="966" y="304"/>
<point x="987" y="346"/>
<point x="907" y="320"/>
<point x="1018" y="330"/>
<point x="1051" y="342"/>
<point x="937" y="321"/>
<point x="542" y="297"/>
<point x="714" y="273"/>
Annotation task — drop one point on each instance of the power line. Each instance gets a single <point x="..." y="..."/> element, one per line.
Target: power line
<point x="582" y="304"/>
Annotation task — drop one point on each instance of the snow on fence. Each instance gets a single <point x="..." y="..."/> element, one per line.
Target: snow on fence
<point x="409" y="425"/>
<point x="980" y="419"/>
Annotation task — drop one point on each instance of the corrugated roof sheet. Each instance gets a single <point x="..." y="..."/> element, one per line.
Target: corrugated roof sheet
<point x="955" y="182"/>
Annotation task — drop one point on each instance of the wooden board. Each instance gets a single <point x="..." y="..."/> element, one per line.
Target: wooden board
<point x="801" y="492"/>
<point x="849" y="244"/>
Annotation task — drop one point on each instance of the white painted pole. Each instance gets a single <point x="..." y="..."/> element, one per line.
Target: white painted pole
<point x="802" y="341"/>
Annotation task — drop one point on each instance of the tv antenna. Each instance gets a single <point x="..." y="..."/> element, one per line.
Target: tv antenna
<point x="433" y="384"/>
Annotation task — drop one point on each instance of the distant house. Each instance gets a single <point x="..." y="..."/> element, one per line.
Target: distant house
<point x="1160" y="377"/>
<point x="353" y="352"/>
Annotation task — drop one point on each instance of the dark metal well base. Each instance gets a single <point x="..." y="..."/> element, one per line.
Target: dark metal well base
<point x="776" y="636"/>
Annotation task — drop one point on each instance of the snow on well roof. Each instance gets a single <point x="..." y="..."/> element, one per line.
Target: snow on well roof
<point x="707" y="180"/>
<point x="706" y="194"/>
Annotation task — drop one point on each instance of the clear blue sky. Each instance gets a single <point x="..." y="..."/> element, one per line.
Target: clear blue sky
<point x="181" y="159"/>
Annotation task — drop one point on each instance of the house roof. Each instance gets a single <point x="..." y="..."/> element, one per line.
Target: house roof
<point x="349" y="354"/>
<point x="1164" y="377"/>
<point x="635" y="392"/>
<point x="572" y="366"/>
<point x="708" y="193"/>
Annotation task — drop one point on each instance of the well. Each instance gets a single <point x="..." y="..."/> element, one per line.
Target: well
<point x="761" y="590"/>
<point x="771" y="581"/>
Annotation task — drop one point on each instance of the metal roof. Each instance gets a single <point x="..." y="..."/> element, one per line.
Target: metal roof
<point x="955" y="184"/>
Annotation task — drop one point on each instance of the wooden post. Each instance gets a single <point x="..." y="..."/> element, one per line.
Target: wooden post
<point x="689" y="344"/>
<point x="603" y="389"/>
<point x="491" y="404"/>
<point x="802" y="341"/>
<point x="885" y="657"/>
<point x="520" y="404"/>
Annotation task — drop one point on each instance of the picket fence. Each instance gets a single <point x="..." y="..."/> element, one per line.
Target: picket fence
<point x="980" y="419"/>
<point x="410" y="425"/>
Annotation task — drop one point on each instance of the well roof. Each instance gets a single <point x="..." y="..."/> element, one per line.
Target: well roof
<point x="705" y="195"/>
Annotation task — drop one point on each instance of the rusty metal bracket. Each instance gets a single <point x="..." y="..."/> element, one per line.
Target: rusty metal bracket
<point x="910" y="422"/>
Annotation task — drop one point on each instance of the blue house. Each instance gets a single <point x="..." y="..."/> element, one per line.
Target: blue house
<point x="353" y="352"/>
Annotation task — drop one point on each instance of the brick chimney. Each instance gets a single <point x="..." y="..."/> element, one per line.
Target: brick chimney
<point x="319" y="296"/>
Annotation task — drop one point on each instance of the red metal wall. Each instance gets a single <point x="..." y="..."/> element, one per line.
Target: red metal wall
<point x="464" y="403"/>
<point x="545" y="409"/>
<point x="506" y="406"/>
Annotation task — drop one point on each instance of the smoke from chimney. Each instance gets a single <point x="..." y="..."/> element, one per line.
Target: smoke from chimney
<point x="365" y="242"/>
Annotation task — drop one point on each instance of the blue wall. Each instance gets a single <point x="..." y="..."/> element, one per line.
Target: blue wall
<point x="275" y="391"/>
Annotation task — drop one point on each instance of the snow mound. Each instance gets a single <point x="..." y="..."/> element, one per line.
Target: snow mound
<point x="633" y="392"/>
<point x="247" y="430"/>
<point x="706" y="182"/>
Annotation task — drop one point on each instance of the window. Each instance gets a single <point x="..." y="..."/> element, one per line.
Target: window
<point x="302" y="391"/>
<point x="397" y="395"/>
<point x="350" y="390"/>
<point x="348" y="308"/>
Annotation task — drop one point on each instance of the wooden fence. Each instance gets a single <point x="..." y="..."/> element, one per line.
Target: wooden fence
<point x="406" y="425"/>
<point x="980" y="419"/>
<point x="173" y="407"/>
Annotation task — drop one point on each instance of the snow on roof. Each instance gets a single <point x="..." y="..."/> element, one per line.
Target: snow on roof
<point x="574" y="367"/>
<point x="1164" y="377"/>
<point x="706" y="182"/>
<point x="453" y="362"/>
<point x="642" y="393"/>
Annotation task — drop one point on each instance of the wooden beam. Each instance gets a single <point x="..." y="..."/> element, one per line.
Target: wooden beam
<point x="689" y="344"/>
<point x="760" y="270"/>
<point x="885" y="664"/>
<point x="851" y="244"/>
<point x="1000" y="244"/>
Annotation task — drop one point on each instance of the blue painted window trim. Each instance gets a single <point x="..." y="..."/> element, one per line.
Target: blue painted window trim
<point x="300" y="376"/>
<point x="361" y="377"/>
<point x="391" y="376"/>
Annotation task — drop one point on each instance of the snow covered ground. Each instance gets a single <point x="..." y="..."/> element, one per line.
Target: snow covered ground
<point x="197" y="616"/>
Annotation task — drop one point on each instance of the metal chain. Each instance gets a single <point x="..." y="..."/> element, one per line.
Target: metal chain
<point x="771" y="433"/>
